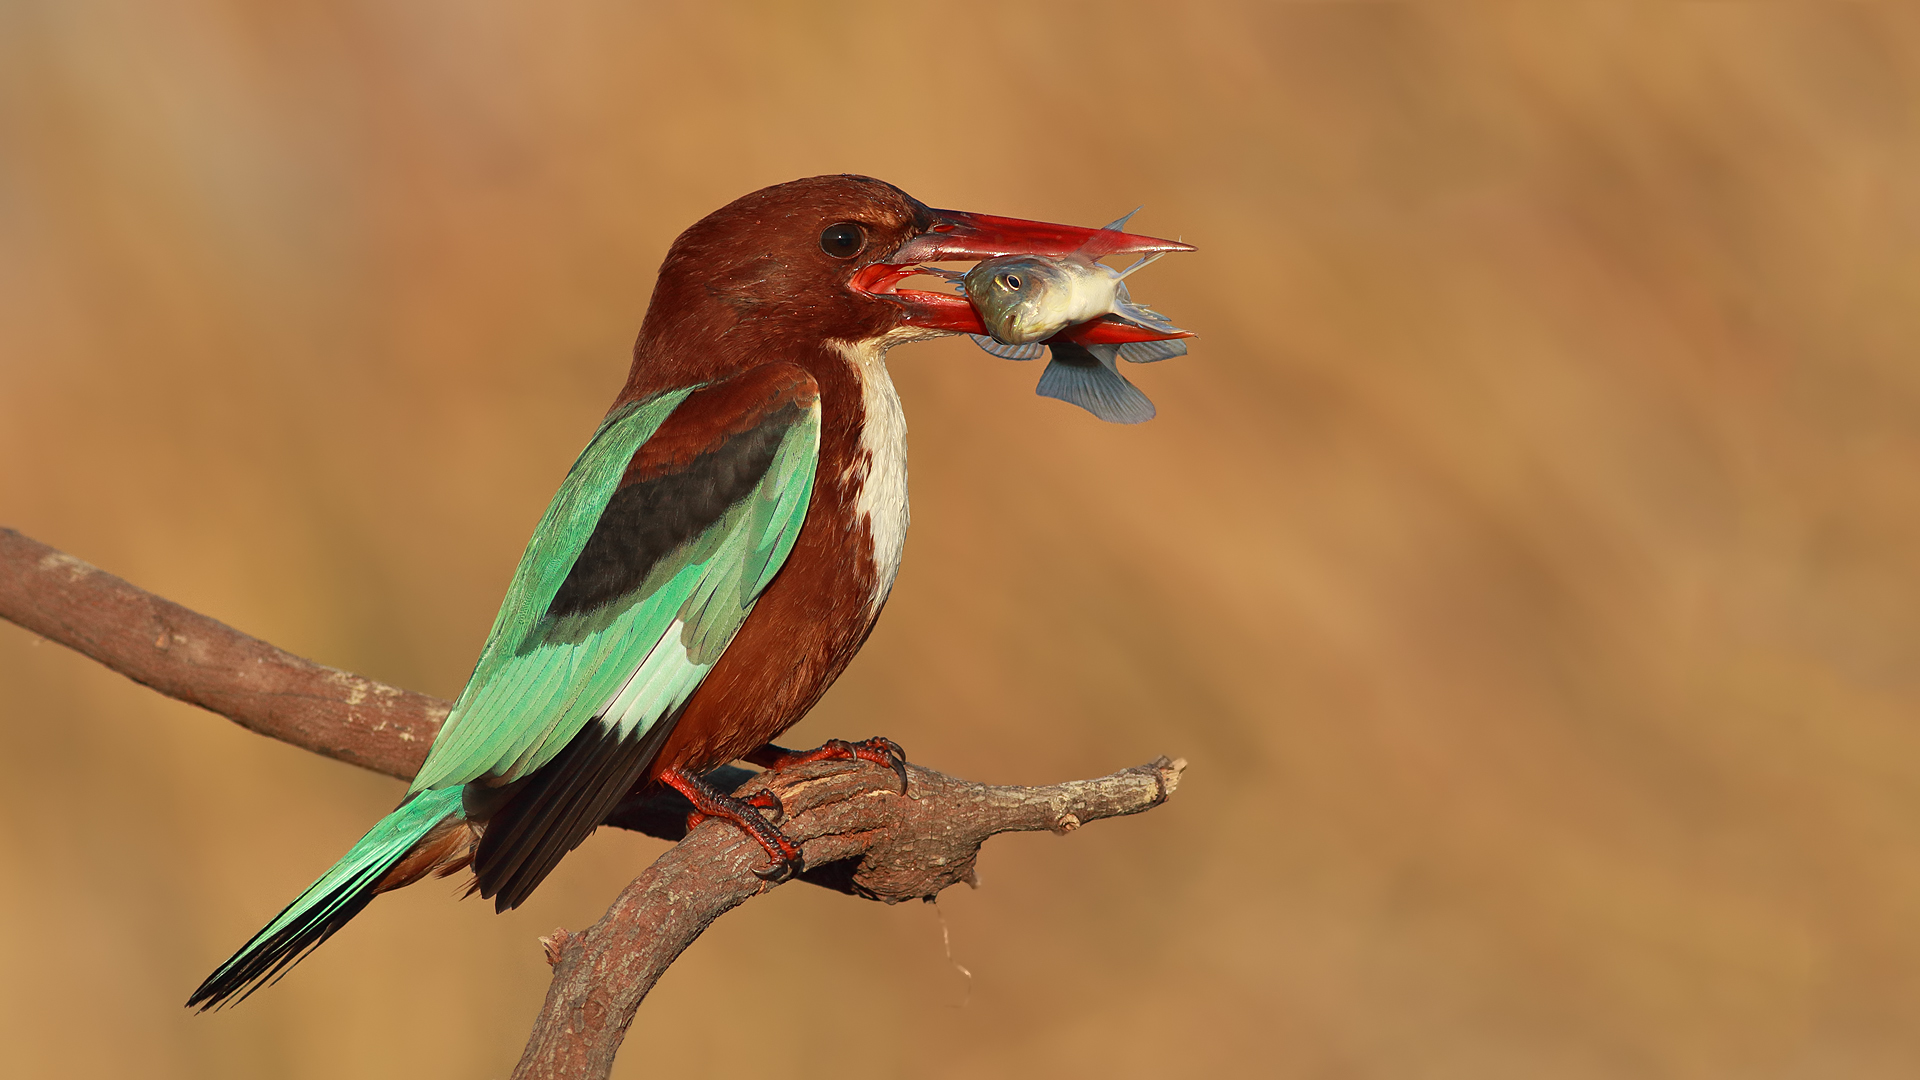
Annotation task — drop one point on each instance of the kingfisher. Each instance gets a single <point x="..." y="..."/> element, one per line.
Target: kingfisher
<point x="712" y="561"/>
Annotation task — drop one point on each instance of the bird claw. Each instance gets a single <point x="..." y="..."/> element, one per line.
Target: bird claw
<point x="878" y="750"/>
<point x="764" y="800"/>
<point x="745" y="815"/>
<point x="780" y="872"/>
<point x="886" y="753"/>
<point x="768" y="801"/>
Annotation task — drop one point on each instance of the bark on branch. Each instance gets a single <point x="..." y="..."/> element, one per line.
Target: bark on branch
<point x="860" y="836"/>
<point x="183" y="654"/>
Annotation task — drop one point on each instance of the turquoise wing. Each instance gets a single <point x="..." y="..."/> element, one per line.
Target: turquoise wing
<point x="669" y="526"/>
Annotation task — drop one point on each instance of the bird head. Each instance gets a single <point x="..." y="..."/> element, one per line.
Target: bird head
<point x="822" y="259"/>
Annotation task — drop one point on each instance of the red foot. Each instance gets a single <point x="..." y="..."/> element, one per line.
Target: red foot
<point x="882" y="752"/>
<point x="764" y="800"/>
<point x="743" y="815"/>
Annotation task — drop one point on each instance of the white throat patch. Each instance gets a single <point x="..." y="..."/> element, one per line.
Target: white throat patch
<point x="879" y="471"/>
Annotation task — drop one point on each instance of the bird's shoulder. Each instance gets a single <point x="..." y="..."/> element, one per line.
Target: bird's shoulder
<point x="765" y="397"/>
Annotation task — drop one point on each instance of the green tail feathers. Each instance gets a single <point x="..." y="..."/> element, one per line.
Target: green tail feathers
<point x="328" y="903"/>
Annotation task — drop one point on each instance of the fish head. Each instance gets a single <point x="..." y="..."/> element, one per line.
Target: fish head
<point x="1023" y="298"/>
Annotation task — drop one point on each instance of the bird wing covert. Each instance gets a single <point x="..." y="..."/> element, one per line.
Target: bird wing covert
<point x="635" y="580"/>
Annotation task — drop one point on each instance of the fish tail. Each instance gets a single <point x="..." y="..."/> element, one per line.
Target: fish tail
<point x="327" y="905"/>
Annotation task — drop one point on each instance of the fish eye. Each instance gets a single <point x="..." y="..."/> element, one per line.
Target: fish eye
<point x="843" y="241"/>
<point x="1011" y="281"/>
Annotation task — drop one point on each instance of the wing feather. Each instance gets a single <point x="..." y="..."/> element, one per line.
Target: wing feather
<point x="713" y="484"/>
<point x="509" y="704"/>
<point x="540" y="678"/>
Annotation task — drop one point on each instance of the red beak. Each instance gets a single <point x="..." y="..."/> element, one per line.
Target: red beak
<point x="957" y="235"/>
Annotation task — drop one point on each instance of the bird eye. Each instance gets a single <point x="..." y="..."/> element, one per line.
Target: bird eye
<point x="843" y="241"/>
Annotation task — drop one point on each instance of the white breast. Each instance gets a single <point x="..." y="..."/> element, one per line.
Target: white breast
<point x="879" y="471"/>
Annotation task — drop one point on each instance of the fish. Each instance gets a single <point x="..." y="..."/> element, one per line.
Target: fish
<point x="1029" y="302"/>
<point x="1024" y="299"/>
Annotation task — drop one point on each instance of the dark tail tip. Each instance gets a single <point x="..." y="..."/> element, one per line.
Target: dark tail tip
<point x="264" y="959"/>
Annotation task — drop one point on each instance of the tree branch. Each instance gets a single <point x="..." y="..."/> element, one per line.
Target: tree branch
<point x="858" y="833"/>
<point x="201" y="661"/>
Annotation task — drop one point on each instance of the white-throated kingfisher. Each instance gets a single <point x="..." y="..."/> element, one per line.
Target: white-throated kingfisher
<point x="713" y="560"/>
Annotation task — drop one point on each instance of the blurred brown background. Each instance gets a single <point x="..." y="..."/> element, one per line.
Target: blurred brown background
<point x="1525" y="557"/>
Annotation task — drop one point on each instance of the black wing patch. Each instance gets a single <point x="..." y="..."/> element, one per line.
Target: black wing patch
<point x="648" y="519"/>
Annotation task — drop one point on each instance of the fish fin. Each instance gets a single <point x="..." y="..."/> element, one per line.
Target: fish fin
<point x="1147" y="352"/>
<point x="1145" y="317"/>
<point x="1146" y="313"/>
<point x="1120" y="222"/>
<point x="1084" y="375"/>
<point x="1155" y="257"/>
<point x="955" y="278"/>
<point x="1032" y="350"/>
<point x="1125" y="307"/>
